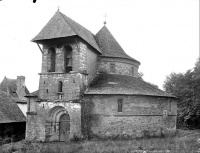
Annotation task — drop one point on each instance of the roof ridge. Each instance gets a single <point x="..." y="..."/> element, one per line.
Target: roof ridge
<point x="110" y="47"/>
<point x="76" y="23"/>
<point x="68" y="23"/>
<point x="61" y="25"/>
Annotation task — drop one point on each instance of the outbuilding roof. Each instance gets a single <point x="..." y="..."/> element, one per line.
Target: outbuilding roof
<point x="33" y="94"/>
<point x="109" y="45"/>
<point x="125" y="85"/>
<point x="9" y="111"/>
<point x="62" y="26"/>
<point x="10" y="85"/>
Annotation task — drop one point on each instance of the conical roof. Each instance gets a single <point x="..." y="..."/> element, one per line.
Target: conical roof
<point x="109" y="46"/>
<point x="62" y="26"/>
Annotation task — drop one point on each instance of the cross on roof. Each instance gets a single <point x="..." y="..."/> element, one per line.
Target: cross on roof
<point x="105" y="19"/>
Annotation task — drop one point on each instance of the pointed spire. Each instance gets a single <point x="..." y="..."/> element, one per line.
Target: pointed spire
<point x="109" y="45"/>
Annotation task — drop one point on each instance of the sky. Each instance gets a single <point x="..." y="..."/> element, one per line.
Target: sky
<point x="162" y="34"/>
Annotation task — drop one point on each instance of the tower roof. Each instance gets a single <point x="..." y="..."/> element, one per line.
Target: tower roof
<point x="109" y="46"/>
<point x="61" y="26"/>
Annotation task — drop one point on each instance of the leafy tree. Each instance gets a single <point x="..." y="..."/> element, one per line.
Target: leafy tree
<point x="186" y="87"/>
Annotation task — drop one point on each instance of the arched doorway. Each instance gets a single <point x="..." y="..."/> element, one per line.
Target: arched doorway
<point x="64" y="127"/>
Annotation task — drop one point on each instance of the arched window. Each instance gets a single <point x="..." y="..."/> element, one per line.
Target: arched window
<point x="67" y="59"/>
<point x="52" y="59"/>
<point x="60" y="86"/>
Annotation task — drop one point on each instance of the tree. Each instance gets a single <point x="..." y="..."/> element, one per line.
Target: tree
<point x="186" y="87"/>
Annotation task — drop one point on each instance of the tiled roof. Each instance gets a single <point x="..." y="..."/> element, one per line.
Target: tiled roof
<point x="11" y="86"/>
<point x="9" y="111"/>
<point x="109" y="46"/>
<point x="62" y="26"/>
<point x="121" y="84"/>
<point x="33" y="94"/>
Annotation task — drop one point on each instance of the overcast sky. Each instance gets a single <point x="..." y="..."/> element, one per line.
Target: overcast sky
<point x="162" y="34"/>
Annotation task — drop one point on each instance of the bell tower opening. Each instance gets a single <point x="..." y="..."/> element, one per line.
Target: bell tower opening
<point x="52" y="54"/>
<point x="67" y="59"/>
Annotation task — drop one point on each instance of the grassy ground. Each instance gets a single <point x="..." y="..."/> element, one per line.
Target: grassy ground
<point x="184" y="142"/>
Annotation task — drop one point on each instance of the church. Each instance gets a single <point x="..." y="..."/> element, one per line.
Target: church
<point x="89" y="88"/>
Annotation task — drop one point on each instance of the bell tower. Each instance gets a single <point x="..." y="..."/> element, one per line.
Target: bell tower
<point x="63" y="75"/>
<point x="65" y="47"/>
<point x="69" y="63"/>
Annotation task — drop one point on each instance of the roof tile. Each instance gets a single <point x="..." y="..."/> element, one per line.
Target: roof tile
<point x="109" y="46"/>
<point x="9" y="111"/>
<point x="121" y="84"/>
<point x="62" y="26"/>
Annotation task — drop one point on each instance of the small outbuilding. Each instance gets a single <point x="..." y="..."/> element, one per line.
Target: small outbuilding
<point x="12" y="120"/>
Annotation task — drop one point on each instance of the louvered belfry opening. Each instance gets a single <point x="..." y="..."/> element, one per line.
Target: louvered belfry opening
<point x="67" y="59"/>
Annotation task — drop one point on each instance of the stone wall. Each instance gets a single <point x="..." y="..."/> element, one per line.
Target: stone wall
<point x="43" y="124"/>
<point x="73" y="83"/>
<point x="92" y="61"/>
<point x="122" y="66"/>
<point x="60" y="48"/>
<point x="141" y="115"/>
<point x="84" y="67"/>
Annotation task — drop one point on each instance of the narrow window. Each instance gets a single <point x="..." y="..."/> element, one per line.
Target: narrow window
<point x="52" y="54"/>
<point x="47" y="91"/>
<point x="60" y="86"/>
<point x="120" y="105"/>
<point x="67" y="59"/>
<point x="112" y="68"/>
<point x="132" y="71"/>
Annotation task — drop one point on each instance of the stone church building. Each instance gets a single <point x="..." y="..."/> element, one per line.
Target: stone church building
<point x="89" y="87"/>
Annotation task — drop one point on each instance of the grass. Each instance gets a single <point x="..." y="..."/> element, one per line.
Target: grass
<point x="181" y="143"/>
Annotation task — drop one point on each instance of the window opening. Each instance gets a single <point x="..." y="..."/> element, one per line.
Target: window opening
<point x="52" y="54"/>
<point x="112" y="68"/>
<point x="60" y="86"/>
<point x="67" y="59"/>
<point x="120" y="105"/>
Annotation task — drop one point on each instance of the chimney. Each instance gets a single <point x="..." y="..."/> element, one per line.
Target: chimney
<point x="21" y="87"/>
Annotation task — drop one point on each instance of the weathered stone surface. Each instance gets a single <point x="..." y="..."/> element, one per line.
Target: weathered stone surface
<point x="69" y="64"/>
<point x="122" y="67"/>
<point x="45" y="125"/>
<point x="141" y="116"/>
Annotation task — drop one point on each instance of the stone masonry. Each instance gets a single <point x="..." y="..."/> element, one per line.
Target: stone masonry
<point x="89" y="87"/>
<point x="140" y="116"/>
